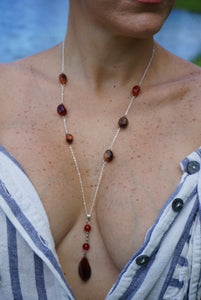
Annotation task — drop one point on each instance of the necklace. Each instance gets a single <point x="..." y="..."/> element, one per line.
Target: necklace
<point x="84" y="268"/>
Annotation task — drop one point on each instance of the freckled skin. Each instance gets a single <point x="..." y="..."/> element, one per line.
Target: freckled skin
<point x="160" y="134"/>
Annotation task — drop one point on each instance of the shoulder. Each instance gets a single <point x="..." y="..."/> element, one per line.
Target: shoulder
<point x="23" y="70"/>
<point x="178" y="76"/>
<point x="174" y="68"/>
<point x="176" y="94"/>
<point x="22" y="75"/>
<point x="24" y="82"/>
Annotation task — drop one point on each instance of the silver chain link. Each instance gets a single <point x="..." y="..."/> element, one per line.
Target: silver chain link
<point x="103" y="164"/>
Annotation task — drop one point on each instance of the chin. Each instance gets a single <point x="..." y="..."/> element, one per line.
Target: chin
<point x="143" y="22"/>
<point x="145" y="27"/>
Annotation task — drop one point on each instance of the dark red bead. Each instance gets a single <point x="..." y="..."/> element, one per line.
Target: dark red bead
<point x="84" y="269"/>
<point x="87" y="227"/>
<point x="69" y="138"/>
<point x="108" y="156"/>
<point x="136" y="90"/>
<point x="123" y="122"/>
<point x="62" y="111"/>
<point x="86" y="246"/>
<point x="63" y="78"/>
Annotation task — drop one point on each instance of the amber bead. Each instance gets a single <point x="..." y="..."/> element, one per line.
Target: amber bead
<point x="86" y="246"/>
<point x="136" y="90"/>
<point x="123" y="122"/>
<point x="69" y="138"/>
<point x="62" y="111"/>
<point x="108" y="156"/>
<point x="84" y="269"/>
<point x="63" y="78"/>
<point x="87" y="227"/>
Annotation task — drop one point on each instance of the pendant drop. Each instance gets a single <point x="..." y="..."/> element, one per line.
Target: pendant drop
<point x="84" y="269"/>
<point x="84" y="266"/>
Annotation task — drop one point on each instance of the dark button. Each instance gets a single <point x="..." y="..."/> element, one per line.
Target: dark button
<point x="193" y="167"/>
<point x="142" y="260"/>
<point x="177" y="204"/>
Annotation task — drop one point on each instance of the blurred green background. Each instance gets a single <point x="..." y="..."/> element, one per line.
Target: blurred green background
<point x="193" y="6"/>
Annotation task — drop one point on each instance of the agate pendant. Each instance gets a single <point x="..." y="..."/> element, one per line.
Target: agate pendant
<point x="84" y="266"/>
<point x="84" y="269"/>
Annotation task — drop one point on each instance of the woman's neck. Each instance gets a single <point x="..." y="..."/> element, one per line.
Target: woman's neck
<point x="100" y="58"/>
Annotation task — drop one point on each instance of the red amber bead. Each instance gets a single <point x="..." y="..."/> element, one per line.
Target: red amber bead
<point x="69" y="138"/>
<point x="87" y="227"/>
<point x="136" y="90"/>
<point x="62" y="111"/>
<point x="108" y="156"/>
<point x="63" y="78"/>
<point x="86" y="246"/>
<point x="123" y="122"/>
<point x="84" y="269"/>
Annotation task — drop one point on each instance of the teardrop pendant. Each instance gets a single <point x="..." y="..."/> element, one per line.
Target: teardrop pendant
<point x="84" y="269"/>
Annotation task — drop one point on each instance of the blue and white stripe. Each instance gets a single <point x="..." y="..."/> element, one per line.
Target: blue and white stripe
<point x="28" y="260"/>
<point x="174" y="248"/>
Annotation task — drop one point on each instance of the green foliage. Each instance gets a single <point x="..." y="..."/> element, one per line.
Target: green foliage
<point x="191" y="5"/>
<point x="198" y="61"/>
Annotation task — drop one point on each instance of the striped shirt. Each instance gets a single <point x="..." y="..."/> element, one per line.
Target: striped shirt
<point x="166" y="267"/>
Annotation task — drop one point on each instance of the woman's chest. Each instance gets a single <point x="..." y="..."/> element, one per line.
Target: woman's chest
<point x="133" y="189"/>
<point x="131" y="193"/>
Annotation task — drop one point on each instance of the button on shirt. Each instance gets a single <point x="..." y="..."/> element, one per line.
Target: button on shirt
<point x="168" y="265"/>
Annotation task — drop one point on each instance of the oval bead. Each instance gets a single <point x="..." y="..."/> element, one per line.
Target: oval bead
<point x="108" y="156"/>
<point x="63" y="78"/>
<point x="61" y="109"/>
<point x="136" y="90"/>
<point x="84" y="269"/>
<point x="123" y="122"/>
<point x="69" y="138"/>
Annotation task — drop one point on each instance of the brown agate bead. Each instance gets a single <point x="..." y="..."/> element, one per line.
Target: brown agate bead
<point x="63" y="78"/>
<point x="123" y="122"/>
<point x="108" y="156"/>
<point x="69" y="138"/>
<point x="136" y="90"/>
<point x="61" y="109"/>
